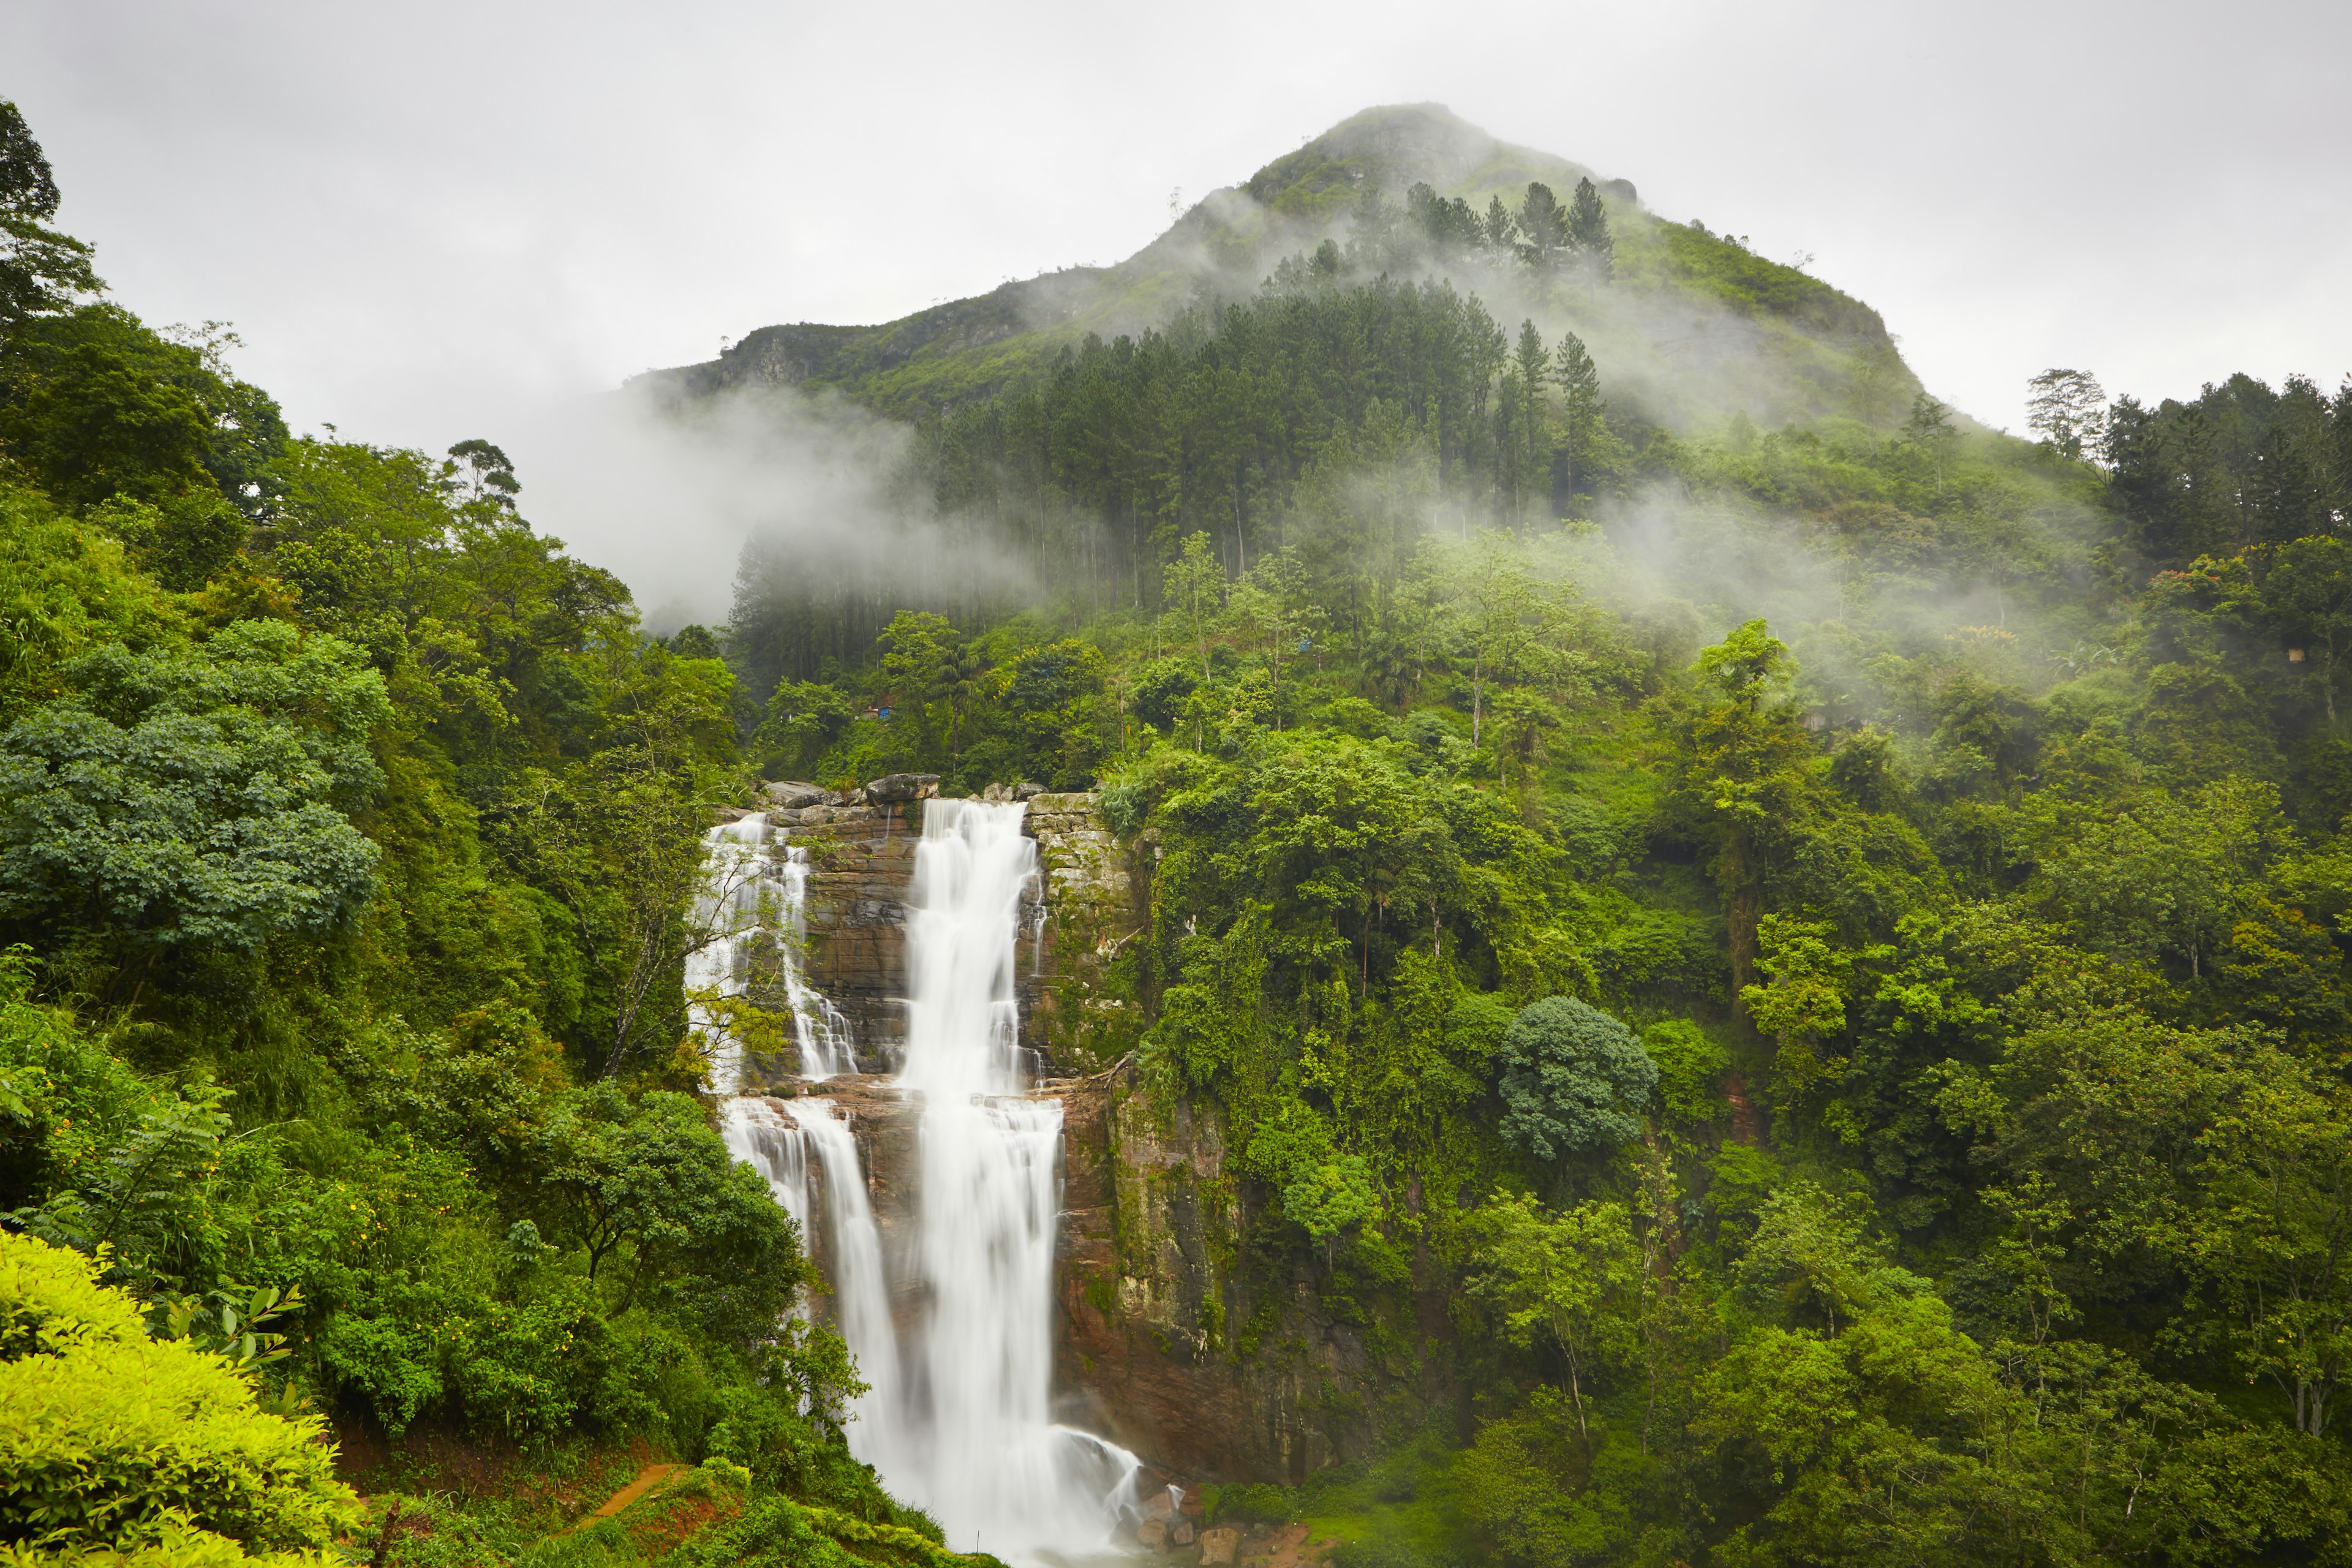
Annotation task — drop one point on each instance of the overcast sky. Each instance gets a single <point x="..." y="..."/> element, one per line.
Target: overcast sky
<point x="430" y="220"/>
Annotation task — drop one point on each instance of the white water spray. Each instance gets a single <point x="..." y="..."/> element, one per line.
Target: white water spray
<point x="852" y="1261"/>
<point x="772" y="1145"/>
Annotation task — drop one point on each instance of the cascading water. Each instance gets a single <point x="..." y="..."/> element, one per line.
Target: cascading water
<point x="852" y="1261"/>
<point x="821" y="1033"/>
<point x="747" y="893"/>
<point x="957" y="1416"/>
<point x="770" y="1145"/>
<point x="975" y="1444"/>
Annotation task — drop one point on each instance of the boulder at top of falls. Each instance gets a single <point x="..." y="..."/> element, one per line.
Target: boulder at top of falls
<point x="1026" y="791"/>
<point x="895" y="788"/>
<point x="792" y="793"/>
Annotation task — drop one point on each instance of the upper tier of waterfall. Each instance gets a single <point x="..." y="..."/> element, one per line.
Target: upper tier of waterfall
<point x="749" y="897"/>
<point x="973" y="870"/>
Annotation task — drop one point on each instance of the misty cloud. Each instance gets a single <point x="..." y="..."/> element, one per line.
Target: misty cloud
<point x="668" y="497"/>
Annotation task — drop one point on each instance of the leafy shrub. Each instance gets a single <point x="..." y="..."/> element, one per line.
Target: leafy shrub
<point x="1257" y="1503"/>
<point x="175" y="1545"/>
<point x="1161" y="688"/>
<point x="109" y="1439"/>
<point x="184" y="542"/>
<point x="1691" y="1064"/>
<point x="65" y="588"/>
<point x="776" y="1532"/>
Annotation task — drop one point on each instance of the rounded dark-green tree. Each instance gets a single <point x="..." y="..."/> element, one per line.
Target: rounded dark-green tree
<point x="1574" y="1080"/>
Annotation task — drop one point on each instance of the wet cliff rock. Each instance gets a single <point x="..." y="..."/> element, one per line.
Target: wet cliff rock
<point x="1169" y="1341"/>
<point x="860" y="858"/>
<point x="861" y="852"/>
<point x="1073" y="1012"/>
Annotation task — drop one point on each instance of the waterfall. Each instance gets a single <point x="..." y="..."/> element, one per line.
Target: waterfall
<point x="958" y="1414"/>
<point x="821" y="1033"/>
<point x="976" y="1445"/>
<point x="747" y="894"/>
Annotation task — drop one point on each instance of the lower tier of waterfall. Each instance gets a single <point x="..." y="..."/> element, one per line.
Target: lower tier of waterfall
<point x="948" y="1308"/>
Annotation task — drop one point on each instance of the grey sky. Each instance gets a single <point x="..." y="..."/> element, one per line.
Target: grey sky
<point x="429" y="220"/>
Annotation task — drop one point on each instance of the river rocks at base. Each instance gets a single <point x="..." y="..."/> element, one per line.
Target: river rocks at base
<point x="1153" y="1534"/>
<point x="1217" y="1546"/>
<point x="1179" y="1532"/>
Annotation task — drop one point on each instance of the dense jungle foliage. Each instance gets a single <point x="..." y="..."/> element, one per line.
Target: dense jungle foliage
<point x="347" y="829"/>
<point x="1821" y="949"/>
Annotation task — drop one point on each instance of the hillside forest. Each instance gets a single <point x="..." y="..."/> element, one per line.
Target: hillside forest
<point x="1818" y="942"/>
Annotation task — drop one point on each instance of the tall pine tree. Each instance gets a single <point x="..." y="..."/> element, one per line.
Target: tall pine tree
<point x="1580" y="414"/>
<point x="1588" y="231"/>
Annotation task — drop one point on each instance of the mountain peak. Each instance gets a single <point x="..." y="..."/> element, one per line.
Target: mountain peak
<point x="1693" y="327"/>
<point x="1392" y="146"/>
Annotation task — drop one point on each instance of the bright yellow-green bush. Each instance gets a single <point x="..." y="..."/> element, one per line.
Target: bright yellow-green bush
<point x="179" y="1545"/>
<point x="112" y="1442"/>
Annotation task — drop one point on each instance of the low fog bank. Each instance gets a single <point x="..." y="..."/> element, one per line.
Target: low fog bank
<point x="1693" y="567"/>
<point x="667" y="500"/>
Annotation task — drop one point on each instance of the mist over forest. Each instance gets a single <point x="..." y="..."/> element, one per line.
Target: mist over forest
<point x="1718" y="962"/>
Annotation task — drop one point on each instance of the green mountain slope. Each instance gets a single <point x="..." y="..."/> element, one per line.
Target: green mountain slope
<point x="1692" y="327"/>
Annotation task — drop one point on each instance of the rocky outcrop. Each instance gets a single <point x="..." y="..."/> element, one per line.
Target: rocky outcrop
<point x="790" y="794"/>
<point x="1167" y="1343"/>
<point x="897" y="789"/>
<point x="1071" y="1011"/>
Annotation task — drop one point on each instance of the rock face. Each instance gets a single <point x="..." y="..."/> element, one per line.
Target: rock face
<point x="885" y="1125"/>
<point x="861" y="854"/>
<point x="896" y="789"/>
<point x="860" y="860"/>
<point x="1165" y="1341"/>
<point x="792" y="794"/>
<point x="1070" y="1012"/>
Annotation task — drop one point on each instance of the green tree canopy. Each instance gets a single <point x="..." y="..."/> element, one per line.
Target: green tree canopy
<point x="1574" y="1080"/>
<point x="41" y="270"/>
<point x="195" y="795"/>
